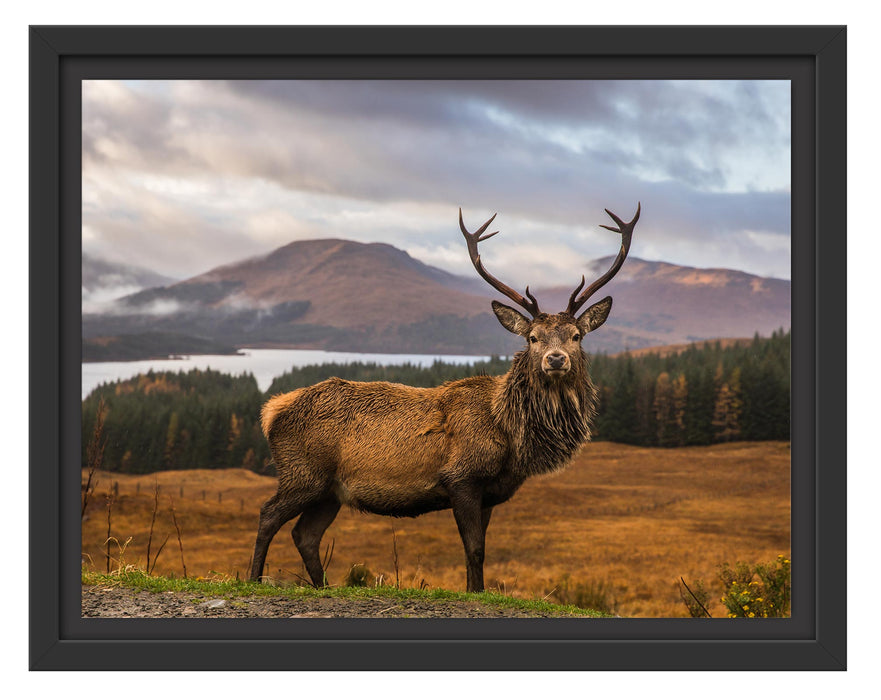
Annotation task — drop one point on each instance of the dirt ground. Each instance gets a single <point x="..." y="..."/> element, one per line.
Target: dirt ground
<point x="99" y="601"/>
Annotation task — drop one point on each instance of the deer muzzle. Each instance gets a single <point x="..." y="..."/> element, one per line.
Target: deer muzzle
<point x="556" y="363"/>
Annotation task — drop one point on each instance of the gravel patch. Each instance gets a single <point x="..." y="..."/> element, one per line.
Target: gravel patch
<point x="116" y="602"/>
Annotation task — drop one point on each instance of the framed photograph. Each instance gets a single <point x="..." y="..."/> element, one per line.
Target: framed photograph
<point x="233" y="228"/>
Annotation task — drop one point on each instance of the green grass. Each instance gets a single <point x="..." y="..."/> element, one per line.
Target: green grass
<point x="225" y="587"/>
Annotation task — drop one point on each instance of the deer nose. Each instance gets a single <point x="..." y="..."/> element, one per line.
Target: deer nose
<point x="556" y="360"/>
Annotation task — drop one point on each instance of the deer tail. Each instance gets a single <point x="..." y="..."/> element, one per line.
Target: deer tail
<point x="273" y="407"/>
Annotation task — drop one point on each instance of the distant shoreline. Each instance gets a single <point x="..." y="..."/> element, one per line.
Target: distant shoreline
<point x="151" y="346"/>
<point x="264" y="363"/>
<point x="158" y="356"/>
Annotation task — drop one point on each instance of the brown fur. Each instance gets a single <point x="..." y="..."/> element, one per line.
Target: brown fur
<point x="402" y="451"/>
<point x="277" y="403"/>
<point x="467" y="445"/>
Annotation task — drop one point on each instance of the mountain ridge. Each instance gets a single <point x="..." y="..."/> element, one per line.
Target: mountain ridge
<point x="344" y="295"/>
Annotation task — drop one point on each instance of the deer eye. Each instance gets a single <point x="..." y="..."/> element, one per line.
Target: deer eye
<point x="576" y="337"/>
<point x="533" y="339"/>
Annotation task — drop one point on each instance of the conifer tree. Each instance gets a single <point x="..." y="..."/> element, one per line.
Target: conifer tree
<point x="171" y="436"/>
<point x="680" y="402"/>
<point x="663" y="409"/>
<point x="726" y="415"/>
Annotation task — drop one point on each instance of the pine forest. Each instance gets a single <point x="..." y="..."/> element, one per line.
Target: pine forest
<point x="705" y="394"/>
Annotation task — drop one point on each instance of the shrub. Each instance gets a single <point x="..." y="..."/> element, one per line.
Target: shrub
<point x="762" y="590"/>
<point x="359" y="576"/>
<point x="592" y="595"/>
<point x="695" y="597"/>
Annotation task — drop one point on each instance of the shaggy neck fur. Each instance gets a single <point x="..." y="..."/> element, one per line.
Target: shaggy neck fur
<point x="547" y="420"/>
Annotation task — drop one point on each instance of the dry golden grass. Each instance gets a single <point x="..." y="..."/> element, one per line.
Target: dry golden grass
<point x="634" y="518"/>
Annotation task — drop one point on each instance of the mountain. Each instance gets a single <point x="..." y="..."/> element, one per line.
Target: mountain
<point x="345" y="284"/>
<point x="674" y="304"/>
<point x="341" y="295"/>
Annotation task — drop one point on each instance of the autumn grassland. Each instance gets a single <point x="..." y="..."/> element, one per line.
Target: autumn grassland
<point x="627" y="519"/>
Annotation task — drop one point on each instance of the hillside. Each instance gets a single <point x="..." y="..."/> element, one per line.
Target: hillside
<point x="345" y="284"/>
<point x="153" y="345"/>
<point x="341" y="295"/>
<point x="621" y="523"/>
<point x="676" y="348"/>
<point x="674" y="304"/>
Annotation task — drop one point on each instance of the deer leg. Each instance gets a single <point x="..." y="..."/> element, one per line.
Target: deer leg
<point x="485" y="515"/>
<point x="273" y="514"/>
<point x="472" y="523"/>
<point x="307" y="535"/>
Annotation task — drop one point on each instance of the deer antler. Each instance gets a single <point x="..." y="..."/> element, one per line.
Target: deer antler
<point x="626" y="231"/>
<point x="473" y="239"/>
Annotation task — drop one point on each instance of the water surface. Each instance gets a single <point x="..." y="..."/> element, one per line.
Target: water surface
<point x="264" y="364"/>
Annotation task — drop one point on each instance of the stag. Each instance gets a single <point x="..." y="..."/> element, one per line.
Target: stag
<point x="468" y="445"/>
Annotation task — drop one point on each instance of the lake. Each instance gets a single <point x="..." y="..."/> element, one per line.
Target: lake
<point x="264" y="364"/>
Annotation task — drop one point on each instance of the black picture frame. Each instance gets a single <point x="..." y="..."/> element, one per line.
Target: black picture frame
<point x="812" y="57"/>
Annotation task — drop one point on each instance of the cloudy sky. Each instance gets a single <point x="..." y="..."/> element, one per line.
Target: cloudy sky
<point x="182" y="176"/>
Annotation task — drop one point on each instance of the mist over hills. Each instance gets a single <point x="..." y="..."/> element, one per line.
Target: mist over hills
<point x="104" y="281"/>
<point x="341" y="295"/>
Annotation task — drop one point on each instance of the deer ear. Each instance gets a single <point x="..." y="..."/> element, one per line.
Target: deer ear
<point x="595" y="316"/>
<point x="511" y="319"/>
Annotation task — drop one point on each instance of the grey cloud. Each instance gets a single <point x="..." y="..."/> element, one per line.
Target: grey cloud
<point x="668" y="123"/>
<point x="677" y="147"/>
